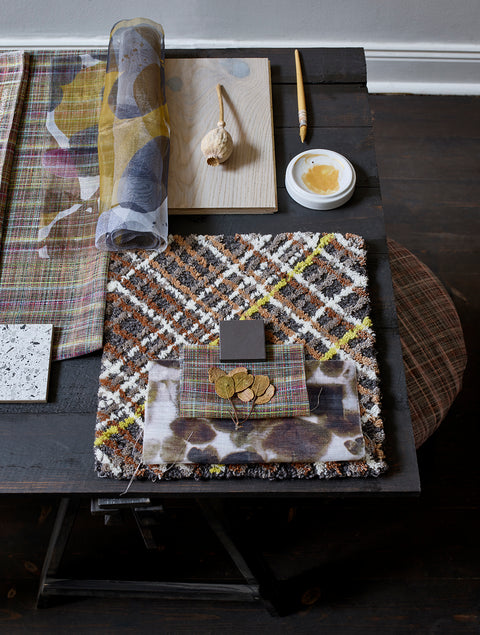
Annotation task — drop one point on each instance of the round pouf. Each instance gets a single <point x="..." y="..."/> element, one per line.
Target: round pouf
<point x="433" y="347"/>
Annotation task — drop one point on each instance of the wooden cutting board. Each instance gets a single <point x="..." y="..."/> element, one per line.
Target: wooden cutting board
<point x="246" y="183"/>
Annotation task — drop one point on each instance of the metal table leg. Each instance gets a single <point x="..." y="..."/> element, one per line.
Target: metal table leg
<point x="66" y="514"/>
<point x="51" y="586"/>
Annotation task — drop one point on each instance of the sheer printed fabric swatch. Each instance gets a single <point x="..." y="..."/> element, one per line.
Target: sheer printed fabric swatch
<point x="134" y="141"/>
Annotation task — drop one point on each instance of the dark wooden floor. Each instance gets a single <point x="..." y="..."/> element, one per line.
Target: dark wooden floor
<point x="396" y="567"/>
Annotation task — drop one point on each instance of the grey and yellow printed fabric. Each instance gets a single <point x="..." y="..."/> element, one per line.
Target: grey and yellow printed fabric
<point x="134" y="140"/>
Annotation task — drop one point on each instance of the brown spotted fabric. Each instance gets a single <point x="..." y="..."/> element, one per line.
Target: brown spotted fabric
<point x="329" y="431"/>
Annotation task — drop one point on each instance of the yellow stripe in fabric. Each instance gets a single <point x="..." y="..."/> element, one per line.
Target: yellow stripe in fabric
<point x="299" y="268"/>
<point x="349" y="335"/>
<point x="115" y="428"/>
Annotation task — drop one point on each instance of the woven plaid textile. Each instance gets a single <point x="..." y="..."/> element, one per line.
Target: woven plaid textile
<point x="13" y="82"/>
<point x="309" y="288"/>
<point x="285" y="366"/>
<point x="433" y="347"/>
<point x="56" y="276"/>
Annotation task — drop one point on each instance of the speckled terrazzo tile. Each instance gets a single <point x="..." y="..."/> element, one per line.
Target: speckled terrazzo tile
<point x="25" y="361"/>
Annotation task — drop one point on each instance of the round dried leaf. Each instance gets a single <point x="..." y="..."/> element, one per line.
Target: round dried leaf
<point x="214" y="373"/>
<point x="242" y="381"/>
<point x="267" y="395"/>
<point x="225" y="387"/>
<point x="260" y="384"/>
<point x="239" y="369"/>
<point x="246" y="395"/>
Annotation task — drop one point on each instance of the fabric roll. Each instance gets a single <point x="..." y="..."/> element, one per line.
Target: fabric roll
<point x="134" y="140"/>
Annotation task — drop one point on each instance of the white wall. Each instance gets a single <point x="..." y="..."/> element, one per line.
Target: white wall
<point x="411" y="45"/>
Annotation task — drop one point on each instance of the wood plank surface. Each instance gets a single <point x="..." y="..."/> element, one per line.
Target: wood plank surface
<point x="59" y="460"/>
<point x="429" y="158"/>
<point x="246" y="181"/>
<point x="325" y="66"/>
<point x="328" y="105"/>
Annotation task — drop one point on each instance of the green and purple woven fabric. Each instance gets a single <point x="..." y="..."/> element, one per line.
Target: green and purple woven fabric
<point x="51" y="271"/>
<point x="285" y="367"/>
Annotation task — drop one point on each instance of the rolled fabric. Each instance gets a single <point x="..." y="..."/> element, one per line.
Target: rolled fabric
<point x="134" y="140"/>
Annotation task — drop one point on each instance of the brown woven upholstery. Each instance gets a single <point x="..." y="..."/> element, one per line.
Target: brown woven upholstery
<point x="433" y="347"/>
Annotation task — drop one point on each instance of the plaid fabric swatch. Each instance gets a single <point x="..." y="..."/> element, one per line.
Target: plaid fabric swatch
<point x="331" y="431"/>
<point x="285" y="366"/>
<point x="13" y="83"/>
<point x="52" y="185"/>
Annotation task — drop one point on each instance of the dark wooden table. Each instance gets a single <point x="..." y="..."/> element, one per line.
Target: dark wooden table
<point x="48" y="448"/>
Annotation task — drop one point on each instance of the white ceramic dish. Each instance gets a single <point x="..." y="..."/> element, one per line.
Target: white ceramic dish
<point x="320" y="179"/>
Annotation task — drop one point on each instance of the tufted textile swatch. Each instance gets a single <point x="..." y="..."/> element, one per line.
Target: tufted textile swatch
<point x="134" y="140"/>
<point x="309" y="288"/>
<point x="285" y="366"/>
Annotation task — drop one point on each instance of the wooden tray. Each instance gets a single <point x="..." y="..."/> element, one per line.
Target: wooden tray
<point x="246" y="183"/>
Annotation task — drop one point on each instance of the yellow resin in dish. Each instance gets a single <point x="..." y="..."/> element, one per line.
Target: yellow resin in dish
<point x="320" y="179"/>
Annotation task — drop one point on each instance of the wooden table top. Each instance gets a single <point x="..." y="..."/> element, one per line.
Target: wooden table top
<point x="48" y="448"/>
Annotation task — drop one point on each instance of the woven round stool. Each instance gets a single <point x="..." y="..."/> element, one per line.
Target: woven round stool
<point x="433" y="347"/>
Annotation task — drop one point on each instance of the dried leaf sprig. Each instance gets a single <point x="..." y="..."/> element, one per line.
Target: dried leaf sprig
<point x="249" y="388"/>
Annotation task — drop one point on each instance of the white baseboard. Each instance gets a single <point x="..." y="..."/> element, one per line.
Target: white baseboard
<point x="427" y="69"/>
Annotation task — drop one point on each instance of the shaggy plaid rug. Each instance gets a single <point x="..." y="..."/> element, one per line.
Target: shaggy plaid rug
<point x="309" y="288"/>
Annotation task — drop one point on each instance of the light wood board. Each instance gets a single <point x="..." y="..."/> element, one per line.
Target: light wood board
<point x="246" y="183"/>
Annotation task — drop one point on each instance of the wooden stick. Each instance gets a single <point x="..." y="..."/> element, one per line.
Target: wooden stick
<point x="220" y="106"/>
<point x="302" y="109"/>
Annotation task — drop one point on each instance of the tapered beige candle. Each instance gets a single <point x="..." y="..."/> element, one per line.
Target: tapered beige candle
<point x="302" y="109"/>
